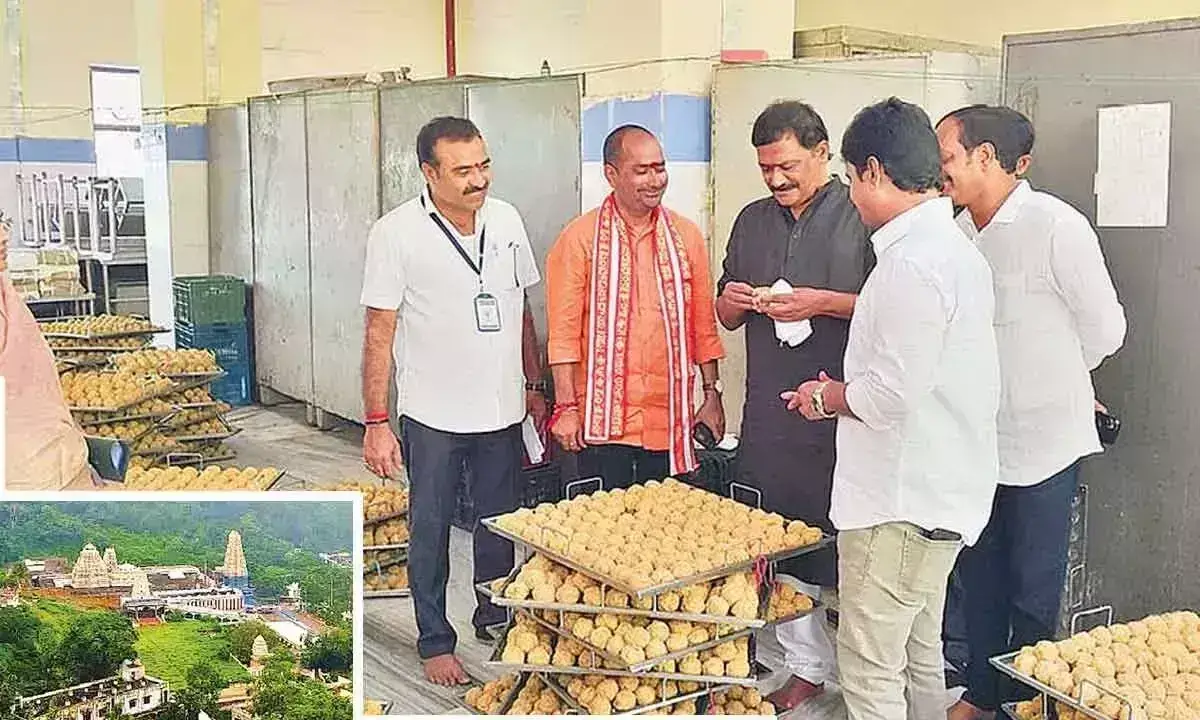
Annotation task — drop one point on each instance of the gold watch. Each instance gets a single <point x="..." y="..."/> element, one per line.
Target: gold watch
<point x="818" y="402"/>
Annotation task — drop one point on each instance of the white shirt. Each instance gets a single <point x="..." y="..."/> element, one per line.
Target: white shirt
<point x="449" y="375"/>
<point x="1057" y="318"/>
<point x="923" y="381"/>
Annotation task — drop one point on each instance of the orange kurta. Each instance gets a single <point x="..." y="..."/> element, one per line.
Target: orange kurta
<point x="647" y="384"/>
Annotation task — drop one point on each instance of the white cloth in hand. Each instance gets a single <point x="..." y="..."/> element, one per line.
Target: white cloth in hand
<point x="790" y="333"/>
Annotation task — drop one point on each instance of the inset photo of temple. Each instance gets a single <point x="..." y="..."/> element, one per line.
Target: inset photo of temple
<point x="175" y="609"/>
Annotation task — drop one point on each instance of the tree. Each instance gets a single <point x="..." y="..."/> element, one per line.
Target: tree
<point x="95" y="645"/>
<point x="27" y="647"/>
<point x="280" y="694"/>
<point x="204" y="686"/>
<point x="241" y="639"/>
<point x="15" y="576"/>
<point x="331" y="652"/>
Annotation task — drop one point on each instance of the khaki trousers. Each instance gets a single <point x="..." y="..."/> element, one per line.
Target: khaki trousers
<point x="891" y="592"/>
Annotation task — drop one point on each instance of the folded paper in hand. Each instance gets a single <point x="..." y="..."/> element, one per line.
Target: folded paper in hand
<point x="534" y="448"/>
<point x="790" y="333"/>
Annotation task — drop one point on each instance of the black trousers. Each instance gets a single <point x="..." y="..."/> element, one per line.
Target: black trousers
<point x="622" y="466"/>
<point x="1013" y="578"/>
<point x="434" y="460"/>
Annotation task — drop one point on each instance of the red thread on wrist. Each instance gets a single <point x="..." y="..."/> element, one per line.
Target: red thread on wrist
<point x="376" y="418"/>
<point x="561" y="409"/>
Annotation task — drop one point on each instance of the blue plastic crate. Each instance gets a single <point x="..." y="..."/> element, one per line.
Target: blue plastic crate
<point x="236" y="387"/>
<point x="230" y="343"/>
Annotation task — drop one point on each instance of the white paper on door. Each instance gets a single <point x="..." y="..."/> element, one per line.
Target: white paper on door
<point x="1133" y="165"/>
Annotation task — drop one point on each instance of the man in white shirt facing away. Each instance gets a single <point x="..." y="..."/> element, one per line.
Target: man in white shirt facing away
<point x="1057" y="318"/>
<point x="444" y="288"/>
<point x="916" y="419"/>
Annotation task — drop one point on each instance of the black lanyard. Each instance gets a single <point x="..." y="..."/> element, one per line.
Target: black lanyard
<point x="477" y="269"/>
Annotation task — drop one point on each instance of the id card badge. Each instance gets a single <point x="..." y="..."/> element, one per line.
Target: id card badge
<point x="487" y="313"/>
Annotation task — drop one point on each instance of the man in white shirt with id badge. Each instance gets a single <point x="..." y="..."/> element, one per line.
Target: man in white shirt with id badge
<point x="444" y="287"/>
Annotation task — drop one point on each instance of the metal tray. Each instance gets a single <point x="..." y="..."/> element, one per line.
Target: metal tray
<point x="384" y="705"/>
<point x="130" y="441"/>
<point x="160" y="417"/>
<point x="379" y="567"/>
<point x="553" y="684"/>
<point x="183" y="459"/>
<point x="571" y="705"/>
<point x="149" y="396"/>
<point x="189" y="381"/>
<point x="216" y="412"/>
<point x="460" y="696"/>
<point x="274" y="481"/>
<point x="397" y="546"/>
<point x="490" y="524"/>
<point x="385" y="594"/>
<point x="497" y="597"/>
<point x="649" y="663"/>
<point x="386" y="518"/>
<point x="230" y="431"/>
<point x="1009" y="711"/>
<point x="106" y="349"/>
<point x="98" y="336"/>
<point x="760" y="671"/>
<point x="1004" y="663"/>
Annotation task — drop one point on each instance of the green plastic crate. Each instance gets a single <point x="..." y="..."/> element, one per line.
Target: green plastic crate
<point x="210" y="300"/>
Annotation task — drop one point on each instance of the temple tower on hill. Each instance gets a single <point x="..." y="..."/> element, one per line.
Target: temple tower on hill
<point x="235" y="558"/>
<point x="90" y="571"/>
<point x="234" y="571"/>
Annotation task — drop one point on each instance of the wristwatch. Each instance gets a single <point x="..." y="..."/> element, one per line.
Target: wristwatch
<point x="535" y="387"/>
<point x="818" y="402"/>
<point x="714" y="386"/>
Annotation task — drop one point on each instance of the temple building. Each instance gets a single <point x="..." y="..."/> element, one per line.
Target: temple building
<point x="259" y="652"/>
<point x="234" y="572"/>
<point x="90" y="571"/>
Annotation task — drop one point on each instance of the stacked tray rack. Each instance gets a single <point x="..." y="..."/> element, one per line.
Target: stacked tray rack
<point x="554" y="619"/>
<point x="151" y="424"/>
<point x="385" y="564"/>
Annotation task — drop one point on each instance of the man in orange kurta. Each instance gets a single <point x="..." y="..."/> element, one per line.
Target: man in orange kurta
<point x="632" y="327"/>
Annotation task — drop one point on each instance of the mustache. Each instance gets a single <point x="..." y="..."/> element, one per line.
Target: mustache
<point x="781" y="188"/>
<point x="475" y="190"/>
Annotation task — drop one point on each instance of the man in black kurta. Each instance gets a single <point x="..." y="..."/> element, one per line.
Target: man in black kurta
<point x="808" y="234"/>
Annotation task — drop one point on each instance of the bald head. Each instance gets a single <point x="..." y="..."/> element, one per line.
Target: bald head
<point x="614" y="144"/>
<point x="636" y="169"/>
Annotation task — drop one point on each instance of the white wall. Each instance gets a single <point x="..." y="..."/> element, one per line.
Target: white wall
<point x="303" y="38"/>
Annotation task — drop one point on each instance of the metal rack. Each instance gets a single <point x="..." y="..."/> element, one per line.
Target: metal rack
<point x="102" y="219"/>
<point x="601" y="662"/>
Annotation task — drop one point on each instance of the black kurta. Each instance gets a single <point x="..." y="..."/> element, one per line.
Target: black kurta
<point x="790" y="459"/>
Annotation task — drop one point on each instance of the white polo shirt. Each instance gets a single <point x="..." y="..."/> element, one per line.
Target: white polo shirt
<point x="1057" y="318"/>
<point x="923" y="380"/>
<point x="450" y="375"/>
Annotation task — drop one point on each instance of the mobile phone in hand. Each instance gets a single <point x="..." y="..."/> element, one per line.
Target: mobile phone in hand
<point x="704" y="435"/>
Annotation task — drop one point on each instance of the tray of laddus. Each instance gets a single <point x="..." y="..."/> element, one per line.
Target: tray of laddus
<point x="656" y="537"/>
<point x="1146" y="668"/>
<point x="528" y="645"/>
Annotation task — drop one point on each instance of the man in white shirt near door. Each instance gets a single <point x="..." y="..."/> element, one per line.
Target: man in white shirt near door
<point x="1057" y="319"/>
<point x="444" y="288"/>
<point x="916" y="419"/>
